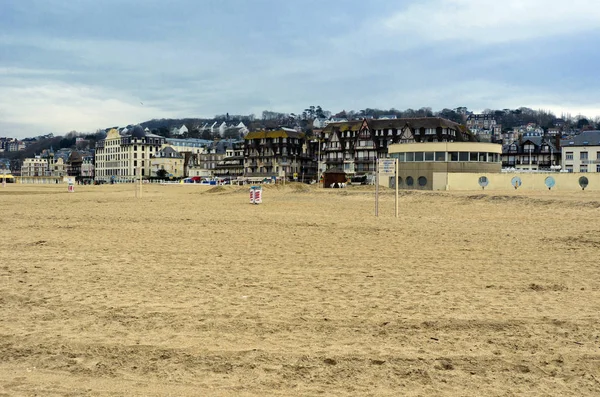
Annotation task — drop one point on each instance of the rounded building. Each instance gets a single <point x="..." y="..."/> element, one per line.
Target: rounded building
<point x="424" y="165"/>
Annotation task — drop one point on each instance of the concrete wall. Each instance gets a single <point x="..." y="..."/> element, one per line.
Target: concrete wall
<point x="428" y="169"/>
<point x="39" y="179"/>
<point x="502" y="181"/>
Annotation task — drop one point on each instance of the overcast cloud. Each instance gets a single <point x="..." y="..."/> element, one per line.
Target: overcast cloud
<point x="88" y="64"/>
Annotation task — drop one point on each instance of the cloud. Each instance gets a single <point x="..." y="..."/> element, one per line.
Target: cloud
<point x="58" y="107"/>
<point x="492" y="21"/>
<point x="86" y="65"/>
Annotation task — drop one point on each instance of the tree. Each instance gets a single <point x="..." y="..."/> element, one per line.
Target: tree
<point x="162" y="173"/>
<point x="319" y="112"/>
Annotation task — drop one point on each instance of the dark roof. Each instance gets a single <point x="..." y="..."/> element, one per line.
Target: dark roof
<point x="170" y="152"/>
<point x="273" y="134"/>
<point x="415" y="123"/>
<point x="136" y="132"/>
<point x="537" y="141"/>
<point x="586" y="138"/>
<point x="336" y="170"/>
<point x="75" y="157"/>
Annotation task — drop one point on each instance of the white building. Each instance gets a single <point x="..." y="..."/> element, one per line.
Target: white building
<point x="122" y="156"/>
<point x="582" y="152"/>
<point x="36" y="166"/>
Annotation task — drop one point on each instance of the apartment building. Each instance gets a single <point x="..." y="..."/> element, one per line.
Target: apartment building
<point x="581" y="153"/>
<point x="354" y="146"/>
<point x="123" y="156"/>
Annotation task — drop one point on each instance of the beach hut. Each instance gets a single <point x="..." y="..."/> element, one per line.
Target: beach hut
<point x="334" y="177"/>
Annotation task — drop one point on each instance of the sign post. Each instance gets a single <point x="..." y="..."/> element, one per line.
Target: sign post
<point x="396" y="185"/>
<point x="387" y="167"/>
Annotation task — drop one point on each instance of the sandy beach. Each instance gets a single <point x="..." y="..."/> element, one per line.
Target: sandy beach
<point x="191" y="290"/>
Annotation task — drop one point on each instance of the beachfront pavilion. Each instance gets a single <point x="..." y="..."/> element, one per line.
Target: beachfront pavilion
<point x="418" y="162"/>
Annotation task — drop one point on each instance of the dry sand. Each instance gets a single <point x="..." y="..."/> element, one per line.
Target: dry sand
<point x="192" y="291"/>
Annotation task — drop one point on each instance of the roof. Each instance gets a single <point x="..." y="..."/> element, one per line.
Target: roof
<point x="273" y="134"/>
<point x="414" y="123"/>
<point x="538" y="141"/>
<point x="75" y="157"/>
<point x="335" y="170"/>
<point x="586" y="138"/>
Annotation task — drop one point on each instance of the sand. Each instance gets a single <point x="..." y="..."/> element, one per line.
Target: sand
<point x="193" y="291"/>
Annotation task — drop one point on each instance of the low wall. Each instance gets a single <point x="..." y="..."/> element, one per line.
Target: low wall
<point x="502" y="181"/>
<point x="39" y="179"/>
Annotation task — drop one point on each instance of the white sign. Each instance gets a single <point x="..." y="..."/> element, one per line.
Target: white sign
<point x="387" y="166"/>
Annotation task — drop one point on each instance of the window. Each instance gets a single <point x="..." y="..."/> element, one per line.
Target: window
<point x="419" y="156"/>
<point x="440" y="156"/>
<point x="409" y="181"/>
<point x="569" y="167"/>
<point x="463" y="156"/>
<point x="453" y="156"/>
<point x="410" y="156"/>
<point x="597" y="167"/>
<point x="428" y="156"/>
<point x="482" y="156"/>
<point x="422" y="181"/>
<point x="583" y="168"/>
<point x="583" y="156"/>
<point x="569" y="156"/>
<point x="473" y="156"/>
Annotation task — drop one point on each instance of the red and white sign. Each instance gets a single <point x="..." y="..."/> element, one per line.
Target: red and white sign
<point x="255" y="195"/>
<point x="71" y="188"/>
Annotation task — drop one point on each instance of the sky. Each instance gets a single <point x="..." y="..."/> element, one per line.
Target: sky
<point x="86" y="64"/>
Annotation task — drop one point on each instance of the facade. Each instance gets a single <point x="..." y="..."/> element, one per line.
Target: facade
<point x="123" y="156"/>
<point x="232" y="164"/>
<point x="418" y="162"/>
<point x="355" y="146"/>
<point x="35" y="167"/>
<point x="169" y="160"/>
<point x="534" y="153"/>
<point x="481" y="121"/>
<point x="191" y="145"/>
<point x="87" y="168"/>
<point x="581" y="153"/>
<point x="281" y="153"/>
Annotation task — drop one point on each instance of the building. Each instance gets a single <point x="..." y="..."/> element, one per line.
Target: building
<point x="123" y="156"/>
<point x="232" y="164"/>
<point x="354" y="146"/>
<point x="581" y="153"/>
<point x="535" y="153"/>
<point x="35" y="167"/>
<point x="426" y="165"/>
<point x="74" y="165"/>
<point x="169" y="160"/>
<point x="191" y="145"/>
<point x="282" y="153"/>
<point x="481" y="121"/>
<point x="87" y="168"/>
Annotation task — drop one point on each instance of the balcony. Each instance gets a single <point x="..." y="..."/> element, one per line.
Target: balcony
<point x="365" y="159"/>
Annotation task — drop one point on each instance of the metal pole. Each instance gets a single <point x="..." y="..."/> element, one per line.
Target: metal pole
<point x="376" y="189"/>
<point x="396" y="178"/>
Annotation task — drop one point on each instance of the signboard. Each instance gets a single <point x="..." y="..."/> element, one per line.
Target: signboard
<point x="256" y="195"/>
<point x="387" y="166"/>
<point x="71" y="188"/>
